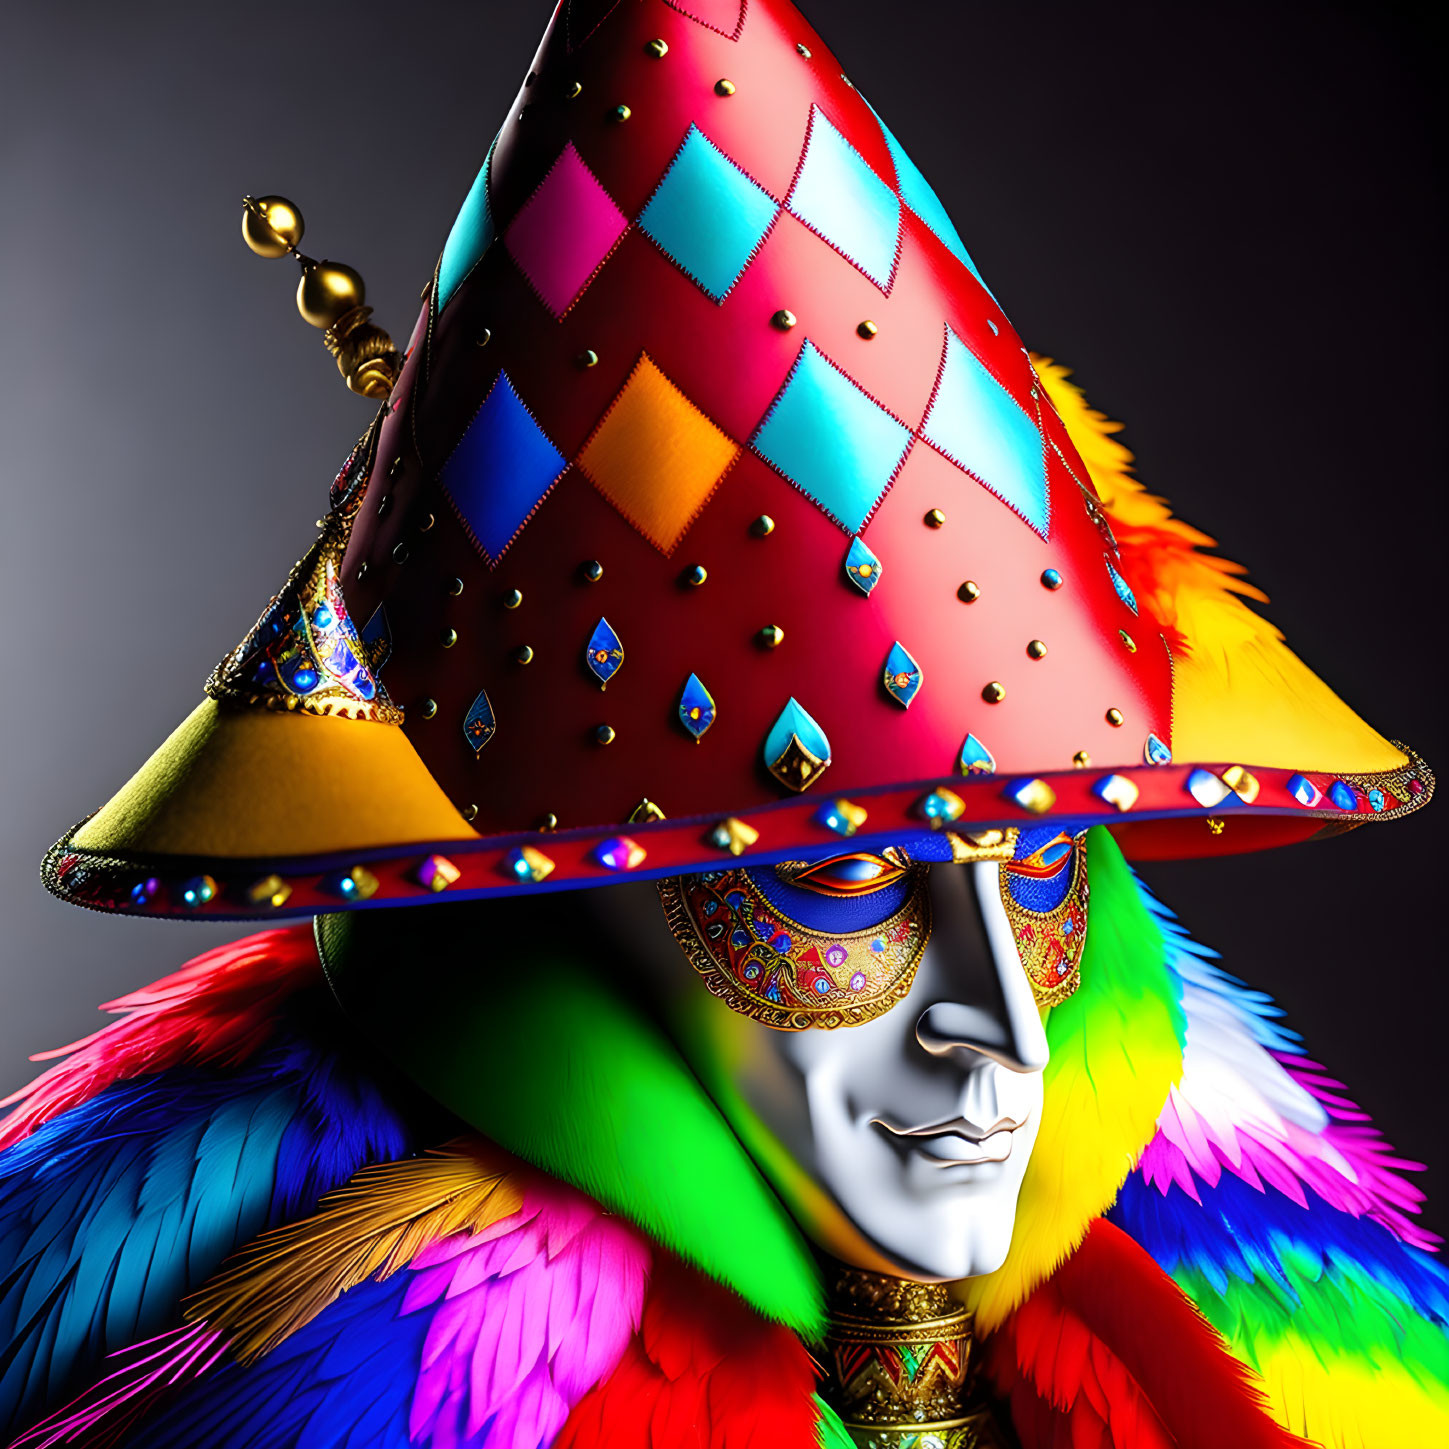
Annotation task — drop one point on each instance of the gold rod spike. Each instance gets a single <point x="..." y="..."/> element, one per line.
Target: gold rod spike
<point x="329" y="295"/>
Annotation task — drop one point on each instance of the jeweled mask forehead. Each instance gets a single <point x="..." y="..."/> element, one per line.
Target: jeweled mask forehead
<point x="836" y="941"/>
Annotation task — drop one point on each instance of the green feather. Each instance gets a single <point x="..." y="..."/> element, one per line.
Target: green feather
<point x="554" y="1066"/>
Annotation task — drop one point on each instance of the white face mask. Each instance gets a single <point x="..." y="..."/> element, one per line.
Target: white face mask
<point x="900" y="1143"/>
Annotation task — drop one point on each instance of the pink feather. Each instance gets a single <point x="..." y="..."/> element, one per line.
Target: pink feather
<point x="219" y="1008"/>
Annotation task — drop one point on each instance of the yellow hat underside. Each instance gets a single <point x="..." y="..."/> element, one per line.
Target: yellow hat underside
<point x="255" y="783"/>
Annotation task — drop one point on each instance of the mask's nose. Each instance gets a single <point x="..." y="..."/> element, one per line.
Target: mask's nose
<point x="991" y="1009"/>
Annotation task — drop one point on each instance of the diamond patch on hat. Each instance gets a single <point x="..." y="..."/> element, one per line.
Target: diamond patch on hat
<point x="917" y="194"/>
<point x="565" y="232"/>
<point x="836" y="444"/>
<point x="978" y="425"/>
<point x="656" y="457"/>
<point x="471" y="236"/>
<point x="840" y="198"/>
<point x="707" y="216"/>
<point x="500" y="471"/>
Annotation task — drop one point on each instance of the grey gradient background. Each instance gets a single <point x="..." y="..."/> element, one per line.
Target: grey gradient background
<point x="1225" y="218"/>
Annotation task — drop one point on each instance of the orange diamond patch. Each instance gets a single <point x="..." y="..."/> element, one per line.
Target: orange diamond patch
<point x="656" y="457"/>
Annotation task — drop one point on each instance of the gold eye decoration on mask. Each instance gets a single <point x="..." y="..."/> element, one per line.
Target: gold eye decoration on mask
<point x="775" y="969"/>
<point x="857" y="874"/>
<point x="1044" y="894"/>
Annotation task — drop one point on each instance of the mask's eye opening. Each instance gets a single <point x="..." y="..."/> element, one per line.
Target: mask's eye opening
<point x="858" y="874"/>
<point x="1046" y="860"/>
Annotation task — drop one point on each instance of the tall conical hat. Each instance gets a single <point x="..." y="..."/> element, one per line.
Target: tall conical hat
<point x="717" y="478"/>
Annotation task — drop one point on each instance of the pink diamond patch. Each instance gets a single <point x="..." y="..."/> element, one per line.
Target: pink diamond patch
<point x="565" y="232"/>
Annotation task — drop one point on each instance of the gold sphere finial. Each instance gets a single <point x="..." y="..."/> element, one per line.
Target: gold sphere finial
<point x="329" y="296"/>
<point x="327" y="292"/>
<point x="271" y="225"/>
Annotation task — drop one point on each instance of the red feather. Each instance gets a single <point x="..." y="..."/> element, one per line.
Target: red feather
<point x="703" y="1372"/>
<point x="1109" y="1354"/>
<point x="219" y="1008"/>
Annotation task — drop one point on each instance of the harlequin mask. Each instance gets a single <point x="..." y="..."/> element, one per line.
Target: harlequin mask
<point x="837" y="942"/>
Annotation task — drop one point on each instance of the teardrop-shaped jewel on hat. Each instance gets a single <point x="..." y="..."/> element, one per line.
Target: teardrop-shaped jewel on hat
<point x="862" y="567"/>
<point x="1155" y="752"/>
<point x="902" y="675"/>
<point x="479" y="724"/>
<point x="696" y="707"/>
<point x="605" y="654"/>
<point x="797" y="752"/>
<point x="976" y="759"/>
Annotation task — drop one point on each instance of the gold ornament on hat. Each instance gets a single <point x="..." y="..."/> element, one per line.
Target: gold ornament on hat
<point x="329" y="295"/>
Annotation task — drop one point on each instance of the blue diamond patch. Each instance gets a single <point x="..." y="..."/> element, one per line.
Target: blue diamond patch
<point x="841" y="199"/>
<point x="838" y="446"/>
<point x="902" y="676"/>
<point x="500" y="471"/>
<point x="471" y="236"/>
<point x="917" y="194"/>
<point x="862" y="567"/>
<point x="978" y="425"/>
<point x="707" y="216"/>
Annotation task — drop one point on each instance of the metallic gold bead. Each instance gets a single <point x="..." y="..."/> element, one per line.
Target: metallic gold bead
<point x="935" y="518"/>
<point x="270" y="890"/>
<point x="428" y="708"/>
<point x="724" y="87"/>
<point x="646" y="812"/>
<point x="1114" y="718"/>
<point x="513" y="598"/>
<point x="772" y="636"/>
<point x="784" y="319"/>
<point x="867" y="329"/>
<point x="574" y="91"/>
<point x="969" y="592"/>
<point x="658" y="49"/>
<point x="1051" y="579"/>
<point x="1036" y="650"/>
<point x="548" y="821"/>
<point x="271" y="225"/>
<point x="605" y="734"/>
<point x="449" y="638"/>
<point x="593" y="571"/>
<point x="426" y="522"/>
<point x="804" y="50"/>
<point x="1081" y="759"/>
<point x="697" y="575"/>
<point x="483" y="338"/>
<point x="470" y="813"/>
<point x="588" y="358"/>
<point x="994" y="692"/>
<point x="1242" y="783"/>
<point x="763" y="526"/>
<point x="1214" y="825"/>
<point x="327" y="292"/>
<point x="733" y="835"/>
<point x="622" y="113"/>
<point x="455" y="587"/>
<point x="523" y="654"/>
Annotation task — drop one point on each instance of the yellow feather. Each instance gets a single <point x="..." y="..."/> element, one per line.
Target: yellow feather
<point x="1239" y="693"/>
<point x="368" y="1228"/>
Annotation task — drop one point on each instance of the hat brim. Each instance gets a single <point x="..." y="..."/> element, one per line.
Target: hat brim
<point x="247" y="814"/>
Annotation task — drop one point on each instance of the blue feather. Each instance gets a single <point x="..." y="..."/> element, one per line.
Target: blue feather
<point x="344" y="1380"/>
<point x="116" y="1209"/>
<point x="1240" y="1232"/>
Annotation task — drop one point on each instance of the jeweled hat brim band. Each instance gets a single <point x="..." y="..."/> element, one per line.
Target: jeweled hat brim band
<point x="1156" y="812"/>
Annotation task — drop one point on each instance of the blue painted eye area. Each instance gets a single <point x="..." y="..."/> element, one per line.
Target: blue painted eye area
<point x="1040" y="875"/>
<point x="859" y="874"/>
<point x="850" y="892"/>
